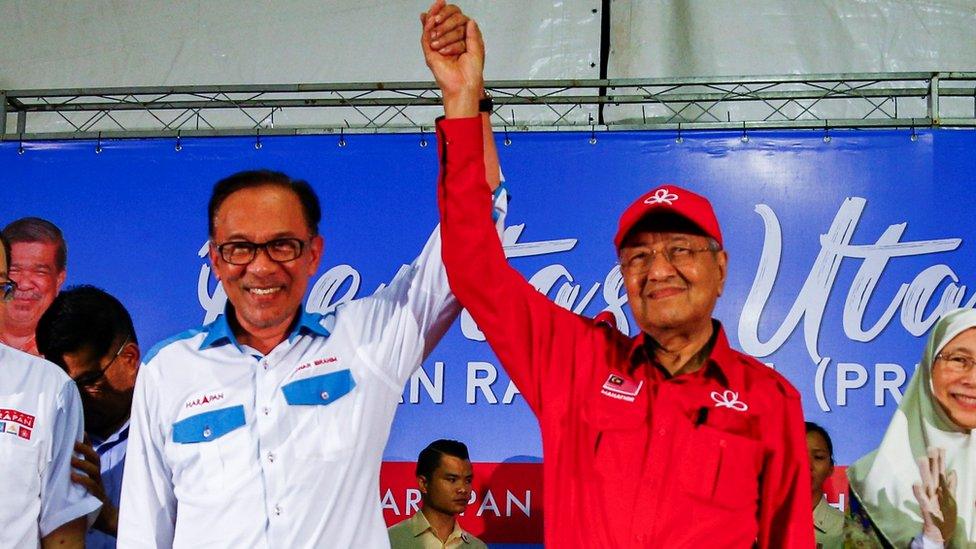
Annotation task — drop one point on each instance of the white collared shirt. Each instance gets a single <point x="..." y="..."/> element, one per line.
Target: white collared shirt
<point x="40" y="420"/>
<point x="229" y="448"/>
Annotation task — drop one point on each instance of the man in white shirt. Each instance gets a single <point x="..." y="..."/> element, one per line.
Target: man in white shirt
<point x="89" y="334"/>
<point x="40" y="420"/>
<point x="266" y="428"/>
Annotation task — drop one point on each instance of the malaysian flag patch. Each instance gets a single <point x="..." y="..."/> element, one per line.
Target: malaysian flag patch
<point x="621" y="388"/>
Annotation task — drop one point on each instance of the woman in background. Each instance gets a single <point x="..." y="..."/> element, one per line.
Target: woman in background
<point x="918" y="488"/>
<point x="828" y="522"/>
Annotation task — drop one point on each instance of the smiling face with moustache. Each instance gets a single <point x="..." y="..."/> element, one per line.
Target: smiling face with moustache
<point x="266" y="294"/>
<point x="673" y="276"/>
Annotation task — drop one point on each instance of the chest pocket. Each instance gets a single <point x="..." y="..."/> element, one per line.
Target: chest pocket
<point x="208" y="425"/>
<point x="325" y="413"/>
<point x="617" y="435"/>
<point x="205" y="444"/>
<point x="20" y="471"/>
<point x="722" y="467"/>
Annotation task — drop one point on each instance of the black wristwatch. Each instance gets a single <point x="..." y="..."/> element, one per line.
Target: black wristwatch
<point x="485" y="104"/>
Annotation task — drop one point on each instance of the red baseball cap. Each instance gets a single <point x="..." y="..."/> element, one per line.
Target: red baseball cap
<point x="674" y="200"/>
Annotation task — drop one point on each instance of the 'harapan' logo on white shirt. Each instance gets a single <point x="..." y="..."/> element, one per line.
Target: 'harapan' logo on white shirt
<point x="16" y="423"/>
<point x="206" y="398"/>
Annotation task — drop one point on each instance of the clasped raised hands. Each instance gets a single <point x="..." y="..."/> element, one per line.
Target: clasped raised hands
<point x="456" y="60"/>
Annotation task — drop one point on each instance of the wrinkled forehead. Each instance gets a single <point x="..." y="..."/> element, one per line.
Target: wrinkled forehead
<point x="267" y="209"/>
<point x="34" y="254"/>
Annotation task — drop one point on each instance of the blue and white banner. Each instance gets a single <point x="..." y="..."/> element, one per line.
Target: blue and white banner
<point x="842" y="252"/>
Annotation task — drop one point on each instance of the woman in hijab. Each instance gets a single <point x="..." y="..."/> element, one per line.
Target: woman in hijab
<point x="918" y="488"/>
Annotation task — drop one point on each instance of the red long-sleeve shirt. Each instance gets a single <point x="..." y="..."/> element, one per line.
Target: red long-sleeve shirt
<point x="631" y="456"/>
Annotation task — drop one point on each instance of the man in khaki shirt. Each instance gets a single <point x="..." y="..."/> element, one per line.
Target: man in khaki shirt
<point x="444" y="476"/>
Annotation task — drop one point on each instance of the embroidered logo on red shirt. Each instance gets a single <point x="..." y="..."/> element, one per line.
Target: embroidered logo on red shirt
<point x="729" y="399"/>
<point x="621" y="388"/>
<point x="17" y="423"/>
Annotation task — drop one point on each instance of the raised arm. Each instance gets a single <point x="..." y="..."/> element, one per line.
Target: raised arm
<point x="417" y="307"/>
<point x="444" y="38"/>
<point x="518" y="322"/>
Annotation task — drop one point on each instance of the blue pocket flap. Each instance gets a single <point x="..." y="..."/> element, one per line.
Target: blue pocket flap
<point x="319" y="390"/>
<point x="208" y="425"/>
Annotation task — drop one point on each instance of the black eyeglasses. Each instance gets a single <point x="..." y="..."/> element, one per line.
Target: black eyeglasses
<point x="7" y="289"/>
<point x="91" y="378"/>
<point x="242" y="252"/>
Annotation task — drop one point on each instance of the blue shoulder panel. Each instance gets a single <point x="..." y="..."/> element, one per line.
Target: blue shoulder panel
<point x="187" y="334"/>
<point x="208" y="425"/>
<point x="319" y="390"/>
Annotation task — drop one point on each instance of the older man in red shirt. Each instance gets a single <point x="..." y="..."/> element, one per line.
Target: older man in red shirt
<point x="668" y="439"/>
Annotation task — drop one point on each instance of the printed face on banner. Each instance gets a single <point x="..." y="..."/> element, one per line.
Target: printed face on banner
<point x="955" y="389"/>
<point x="266" y="294"/>
<point x="33" y="266"/>
<point x="672" y="293"/>
<point x="449" y="490"/>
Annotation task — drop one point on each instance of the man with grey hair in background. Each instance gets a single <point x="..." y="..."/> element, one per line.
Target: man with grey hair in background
<point x="38" y="260"/>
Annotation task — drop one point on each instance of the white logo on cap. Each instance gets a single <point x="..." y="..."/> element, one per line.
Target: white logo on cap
<point x="661" y="196"/>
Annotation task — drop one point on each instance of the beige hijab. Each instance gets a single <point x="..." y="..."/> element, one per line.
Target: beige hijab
<point x="882" y="480"/>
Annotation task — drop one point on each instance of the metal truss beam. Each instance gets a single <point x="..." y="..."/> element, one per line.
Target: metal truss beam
<point x="907" y="99"/>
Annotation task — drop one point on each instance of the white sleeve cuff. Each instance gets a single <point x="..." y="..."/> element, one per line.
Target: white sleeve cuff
<point x="89" y="507"/>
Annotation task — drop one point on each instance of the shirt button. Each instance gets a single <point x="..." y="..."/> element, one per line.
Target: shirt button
<point x="271" y="457"/>
<point x="207" y="432"/>
<point x="277" y="510"/>
<point x="325" y="395"/>
<point x="662" y="431"/>
<point x="266" y="410"/>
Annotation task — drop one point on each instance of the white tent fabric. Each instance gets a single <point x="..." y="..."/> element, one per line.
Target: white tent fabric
<point x="98" y="43"/>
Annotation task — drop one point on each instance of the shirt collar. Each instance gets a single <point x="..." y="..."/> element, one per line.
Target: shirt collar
<point x="219" y="332"/>
<point x="720" y="361"/>
<point x="121" y="435"/>
<point x="826" y="518"/>
<point x="419" y="524"/>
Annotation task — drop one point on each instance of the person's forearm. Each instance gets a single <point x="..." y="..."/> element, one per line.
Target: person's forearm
<point x="108" y="520"/>
<point x="463" y="102"/>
